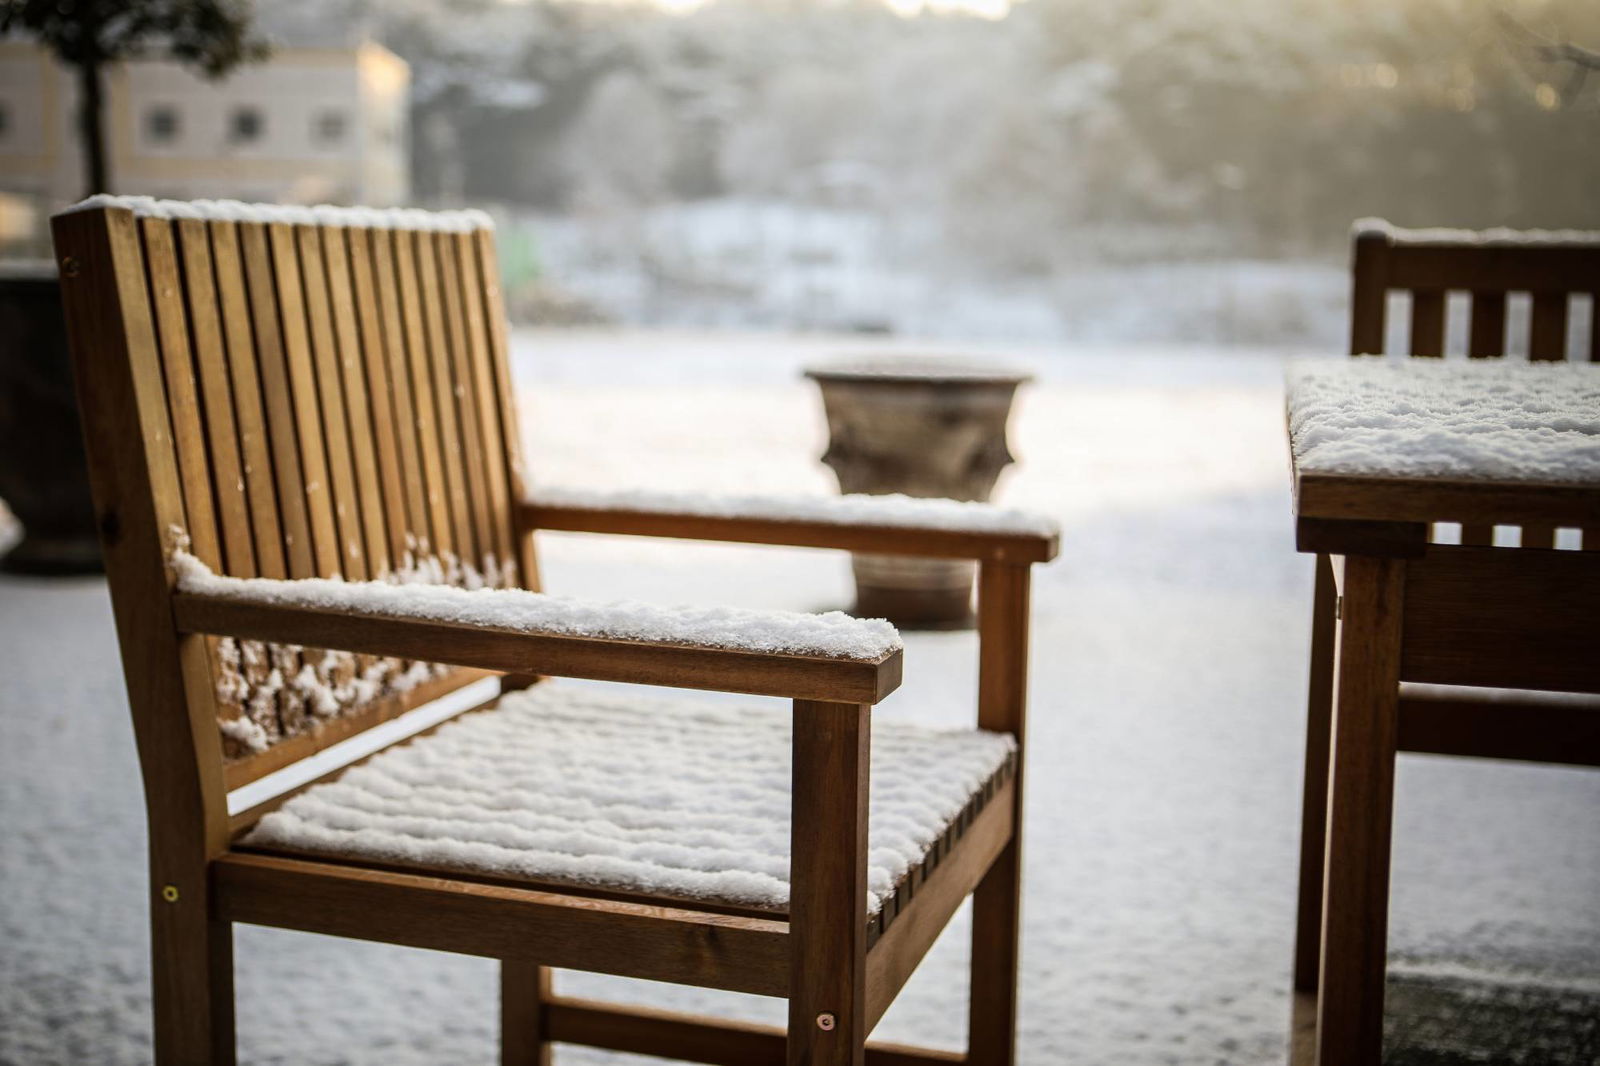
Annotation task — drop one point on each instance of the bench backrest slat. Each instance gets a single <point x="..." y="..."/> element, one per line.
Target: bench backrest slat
<point x="337" y="403"/>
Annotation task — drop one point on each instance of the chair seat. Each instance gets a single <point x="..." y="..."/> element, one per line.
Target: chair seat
<point x="627" y="793"/>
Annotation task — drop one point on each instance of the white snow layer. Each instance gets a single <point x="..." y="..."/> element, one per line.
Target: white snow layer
<point x="857" y="509"/>
<point x="834" y="634"/>
<point x="634" y="794"/>
<point x="1499" y="236"/>
<point x="1403" y="417"/>
<point x="409" y="218"/>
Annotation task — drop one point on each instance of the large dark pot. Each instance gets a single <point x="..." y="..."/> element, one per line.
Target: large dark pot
<point x="922" y="427"/>
<point x="43" y="476"/>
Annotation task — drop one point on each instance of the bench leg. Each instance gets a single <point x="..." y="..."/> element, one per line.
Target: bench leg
<point x="1314" y="800"/>
<point x="992" y="1011"/>
<point x="524" y="990"/>
<point x="1361" y="806"/>
<point x="191" y="983"/>
<point x="828" y="885"/>
<point x="1003" y="597"/>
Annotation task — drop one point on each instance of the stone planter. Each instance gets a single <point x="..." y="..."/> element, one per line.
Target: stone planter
<point x="922" y="427"/>
<point x="43" y="475"/>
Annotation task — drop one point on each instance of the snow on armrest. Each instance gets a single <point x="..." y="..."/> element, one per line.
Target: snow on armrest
<point x="834" y="635"/>
<point x="890" y="523"/>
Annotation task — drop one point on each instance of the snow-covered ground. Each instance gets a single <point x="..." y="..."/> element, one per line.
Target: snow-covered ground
<point x="1168" y="669"/>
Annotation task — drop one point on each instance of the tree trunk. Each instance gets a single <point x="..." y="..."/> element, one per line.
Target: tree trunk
<point x="91" y="128"/>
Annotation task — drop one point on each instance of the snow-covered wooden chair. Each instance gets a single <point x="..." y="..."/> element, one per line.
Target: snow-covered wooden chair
<point x="1490" y="268"/>
<point x="303" y="446"/>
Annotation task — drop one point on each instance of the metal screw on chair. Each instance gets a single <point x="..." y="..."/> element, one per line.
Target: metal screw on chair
<point x="169" y="893"/>
<point x="826" y="1022"/>
<point x="69" y="267"/>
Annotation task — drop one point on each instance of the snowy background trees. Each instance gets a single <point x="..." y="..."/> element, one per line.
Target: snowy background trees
<point x="834" y="164"/>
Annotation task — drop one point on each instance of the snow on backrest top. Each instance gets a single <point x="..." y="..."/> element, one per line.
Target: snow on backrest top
<point x="406" y="218"/>
<point x="1484" y="418"/>
<point x="1498" y="236"/>
<point x="832" y="635"/>
<point x="856" y="509"/>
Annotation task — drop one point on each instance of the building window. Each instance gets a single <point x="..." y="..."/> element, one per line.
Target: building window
<point x="246" y="125"/>
<point x="161" y="124"/>
<point x="329" y="127"/>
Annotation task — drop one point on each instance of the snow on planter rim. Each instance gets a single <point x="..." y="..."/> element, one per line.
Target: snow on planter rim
<point x="894" y="510"/>
<point x="630" y="792"/>
<point x="408" y="218"/>
<point x="832" y="635"/>
<point x="1498" y="236"/>
<point x="1490" y="419"/>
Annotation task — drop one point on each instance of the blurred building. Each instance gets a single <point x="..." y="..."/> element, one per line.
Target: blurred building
<point x="309" y="125"/>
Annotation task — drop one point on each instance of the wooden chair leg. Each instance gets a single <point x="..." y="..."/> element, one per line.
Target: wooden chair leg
<point x="828" y="885"/>
<point x="992" y="1011"/>
<point x="1361" y="806"/>
<point x="1003" y="597"/>
<point x="524" y="990"/>
<point x="1314" y="798"/>
<point x="191" y="984"/>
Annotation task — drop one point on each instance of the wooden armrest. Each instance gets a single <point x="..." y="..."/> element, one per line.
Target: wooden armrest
<point x="829" y="658"/>
<point x="883" y="525"/>
<point x="808" y="677"/>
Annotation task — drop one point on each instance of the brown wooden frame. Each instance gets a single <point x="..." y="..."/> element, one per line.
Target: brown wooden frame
<point x="136" y="346"/>
<point x="1430" y="648"/>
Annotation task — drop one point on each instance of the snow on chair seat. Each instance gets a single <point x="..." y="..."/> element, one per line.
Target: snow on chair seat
<point x="632" y="794"/>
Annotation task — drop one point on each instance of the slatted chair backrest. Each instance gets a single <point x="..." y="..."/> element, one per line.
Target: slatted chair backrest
<point x="336" y="388"/>
<point x="1489" y="268"/>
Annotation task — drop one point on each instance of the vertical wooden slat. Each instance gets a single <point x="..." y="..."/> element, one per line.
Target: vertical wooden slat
<point x="1594" y="326"/>
<point x="1487" y="337"/>
<point x="255" y="447"/>
<point x="303" y="400"/>
<point x="828" y="884"/>
<point x="1369" y="293"/>
<point x="468" y="418"/>
<point x="437" y="354"/>
<point x="505" y="387"/>
<point x="373" y="489"/>
<point x="248" y="405"/>
<point x="183" y="395"/>
<point x="405" y="506"/>
<point x="272" y="362"/>
<point x="325" y="366"/>
<point x="288" y="474"/>
<point x="189" y="435"/>
<point x="1427" y="322"/>
<point x="418" y="372"/>
<point x="216" y="391"/>
<point x="1547" y="327"/>
<point x="492" y="439"/>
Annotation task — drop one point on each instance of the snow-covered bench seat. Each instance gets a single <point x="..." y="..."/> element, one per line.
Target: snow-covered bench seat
<point x="627" y="793"/>
<point x="1481" y="442"/>
<point x="884" y="524"/>
<point x="1481" y="419"/>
